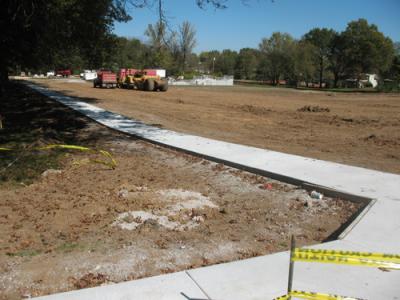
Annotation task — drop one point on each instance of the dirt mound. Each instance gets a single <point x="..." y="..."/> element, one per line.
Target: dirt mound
<point x="256" y="110"/>
<point x="174" y="209"/>
<point x="88" y="280"/>
<point x="309" y="108"/>
<point x="381" y="140"/>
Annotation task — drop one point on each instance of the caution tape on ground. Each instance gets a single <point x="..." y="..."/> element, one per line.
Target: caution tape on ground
<point x="110" y="160"/>
<point x="377" y="260"/>
<point x="313" y="296"/>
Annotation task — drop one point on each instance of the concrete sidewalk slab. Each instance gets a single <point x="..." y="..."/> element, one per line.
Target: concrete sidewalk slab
<point x="169" y="286"/>
<point x="266" y="277"/>
<point x="379" y="229"/>
<point x="263" y="277"/>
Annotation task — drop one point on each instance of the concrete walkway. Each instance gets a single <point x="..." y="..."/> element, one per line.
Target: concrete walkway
<point x="265" y="277"/>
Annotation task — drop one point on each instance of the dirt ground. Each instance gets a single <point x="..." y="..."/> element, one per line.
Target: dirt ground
<point x="354" y="128"/>
<point x="158" y="211"/>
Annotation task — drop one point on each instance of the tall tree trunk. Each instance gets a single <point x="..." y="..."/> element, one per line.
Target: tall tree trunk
<point x="321" y="71"/>
<point x="3" y="78"/>
<point x="184" y="61"/>
<point x="335" y="79"/>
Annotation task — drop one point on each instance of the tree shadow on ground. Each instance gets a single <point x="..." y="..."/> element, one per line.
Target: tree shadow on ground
<point x="30" y="119"/>
<point x="68" y="93"/>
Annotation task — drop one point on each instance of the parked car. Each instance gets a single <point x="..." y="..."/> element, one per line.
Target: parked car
<point x="89" y="75"/>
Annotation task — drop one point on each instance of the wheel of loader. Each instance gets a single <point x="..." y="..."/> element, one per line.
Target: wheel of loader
<point x="149" y="85"/>
<point x="163" y="87"/>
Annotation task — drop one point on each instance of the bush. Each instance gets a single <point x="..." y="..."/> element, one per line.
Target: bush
<point x="389" y="86"/>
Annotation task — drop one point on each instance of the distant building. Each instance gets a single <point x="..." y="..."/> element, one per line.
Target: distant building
<point x="366" y="80"/>
<point x="371" y="79"/>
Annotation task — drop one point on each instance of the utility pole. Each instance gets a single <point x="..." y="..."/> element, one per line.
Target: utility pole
<point x="213" y="64"/>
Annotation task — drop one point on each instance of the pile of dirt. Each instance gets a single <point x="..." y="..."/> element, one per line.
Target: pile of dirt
<point x="310" y="108"/>
<point x="89" y="280"/>
<point x="174" y="209"/>
<point x="381" y="140"/>
<point x="256" y="110"/>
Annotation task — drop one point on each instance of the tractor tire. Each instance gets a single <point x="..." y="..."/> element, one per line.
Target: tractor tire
<point x="149" y="85"/>
<point x="163" y="87"/>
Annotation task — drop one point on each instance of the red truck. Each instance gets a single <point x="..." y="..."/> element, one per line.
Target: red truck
<point x="64" y="73"/>
<point x="106" y="79"/>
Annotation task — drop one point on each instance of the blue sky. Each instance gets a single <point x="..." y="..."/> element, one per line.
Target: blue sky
<point x="241" y="26"/>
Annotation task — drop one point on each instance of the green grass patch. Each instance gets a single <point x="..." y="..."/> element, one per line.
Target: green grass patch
<point x="21" y="166"/>
<point x="69" y="247"/>
<point x="341" y="90"/>
<point x="32" y="120"/>
<point x="24" y="253"/>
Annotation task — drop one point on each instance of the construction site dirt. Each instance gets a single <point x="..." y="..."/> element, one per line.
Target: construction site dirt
<point x="360" y="129"/>
<point x="159" y="211"/>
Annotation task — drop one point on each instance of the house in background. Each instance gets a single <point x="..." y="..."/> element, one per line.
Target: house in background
<point x="366" y="80"/>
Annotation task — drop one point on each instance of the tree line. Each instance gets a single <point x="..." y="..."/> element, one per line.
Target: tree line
<point x="41" y="35"/>
<point x="77" y="34"/>
<point x="321" y="56"/>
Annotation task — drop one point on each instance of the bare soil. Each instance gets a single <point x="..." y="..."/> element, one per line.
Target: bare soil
<point x="158" y="211"/>
<point x="361" y="129"/>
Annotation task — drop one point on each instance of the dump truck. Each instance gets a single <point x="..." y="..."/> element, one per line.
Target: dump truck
<point x="64" y="73"/>
<point x="144" y="80"/>
<point x="106" y="79"/>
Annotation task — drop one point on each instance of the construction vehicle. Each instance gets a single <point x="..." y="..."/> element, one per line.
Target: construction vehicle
<point x="64" y="73"/>
<point x="144" y="80"/>
<point x="106" y="79"/>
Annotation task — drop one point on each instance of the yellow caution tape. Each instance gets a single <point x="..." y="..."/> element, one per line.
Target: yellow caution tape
<point x="313" y="296"/>
<point x="73" y="147"/>
<point x="377" y="260"/>
<point x="111" y="163"/>
<point x="108" y="154"/>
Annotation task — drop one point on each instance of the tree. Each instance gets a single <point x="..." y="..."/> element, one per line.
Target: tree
<point x="226" y="62"/>
<point x="393" y="72"/>
<point x="304" y="62"/>
<point x="129" y="53"/>
<point x="160" y="43"/>
<point x="367" y="50"/>
<point x="208" y="61"/>
<point x="277" y="57"/>
<point x="38" y="33"/>
<point x="322" y="41"/>
<point x="396" y="47"/>
<point x="187" y="41"/>
<point x="337" y="58"/>
<point x="246" y="63"/>
<point x="35" y="33"/>
<point x="156" y="35"/>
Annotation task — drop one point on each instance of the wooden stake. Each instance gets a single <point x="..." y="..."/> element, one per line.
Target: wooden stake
<point x="291" y="266"/>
